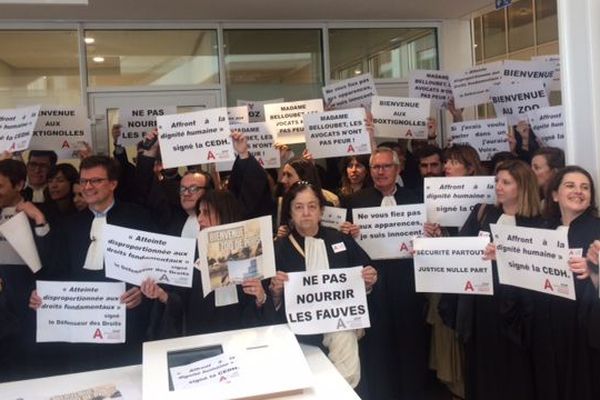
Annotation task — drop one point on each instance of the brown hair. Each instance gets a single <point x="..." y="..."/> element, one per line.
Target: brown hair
<point x="528" y="199"/>
<point x="467" y="156"/>
<point x="551" y="207"/>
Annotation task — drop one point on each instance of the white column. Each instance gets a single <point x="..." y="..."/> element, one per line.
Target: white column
<point x="579" y="35"/>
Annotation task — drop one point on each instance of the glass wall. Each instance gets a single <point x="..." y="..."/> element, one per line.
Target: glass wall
<point x="387" y="53"/>
<point x="151" y="57"/>
<point x="39" y="67"/>
<point x="263" y="64"/>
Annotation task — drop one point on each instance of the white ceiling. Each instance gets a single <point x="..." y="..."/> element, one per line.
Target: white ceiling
<point x="227" y="10"/>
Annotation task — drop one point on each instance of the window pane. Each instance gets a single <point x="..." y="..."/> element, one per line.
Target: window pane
<point x="152" y="58"/>
<point x="39" y="67"/>
<point x="520" y="25"/>
<point x="477" y="40"/>
<point x="494" y="40"/>
<point x="270" y="64"/>
<point x="547" y="23"/>
<point x="386" y="53"/>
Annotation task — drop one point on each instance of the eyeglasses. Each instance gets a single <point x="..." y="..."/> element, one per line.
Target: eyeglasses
<point x="92" y="182"/>
<point x="190" y="189"/>
<point x="382" y="167"/>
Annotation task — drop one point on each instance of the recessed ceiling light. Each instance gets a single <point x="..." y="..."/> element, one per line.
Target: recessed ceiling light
<point x="89" y="40"/>
<point x="357" y="72"/>
<point x="98" y="59"/>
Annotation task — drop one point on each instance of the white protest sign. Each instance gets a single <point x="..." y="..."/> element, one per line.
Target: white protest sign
<point x="137" y="121"/>
<point x="548" y="124"/>
<point x="232" y="253"/>
<point x="430" y="84"/>
<point x="193" y="138"/>
<point x="326" y="301"/>
<point x="16" y="128"/>
<point x="8" y="255"/>
<point x="256" y="110"/>
<point x="450" y="200"/>
<point x="81" y="312"/>
<point x="452" y="265"/>
<point x="286" y="120"/>
<point x="223" y="369"/>
<point x="487" y="136"/>
<point x="387" y="232"/>
<point x="535" y="259"/>
<point x="350" y="93"/>
<point x="238" y="115"/>
<point x="61" y="129"/>
<point x="515" y="101"/>
<point x="132" y="256"/>
<point x="471" y="86"/>
<point x="337" y="133"/>
<point x="17" y="232"/>
<point x="555" y="59"/>
<point x="398" y="117"/>
<point x="333" y="217"/>
<point x="517" y="71"/>
<point x="260" y="145"/>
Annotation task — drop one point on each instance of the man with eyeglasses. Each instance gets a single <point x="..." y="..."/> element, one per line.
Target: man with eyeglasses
<point x="79" y="257"/>
<point x="395" y="348"/>
<point x="38" y="165"/>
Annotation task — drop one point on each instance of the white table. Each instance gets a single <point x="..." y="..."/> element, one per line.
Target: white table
<point x="329" y="384"/>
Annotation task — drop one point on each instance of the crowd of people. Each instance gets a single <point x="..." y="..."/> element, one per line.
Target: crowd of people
<point x="516" y="344"/>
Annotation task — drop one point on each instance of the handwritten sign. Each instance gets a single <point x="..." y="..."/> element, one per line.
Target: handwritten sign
<point x="535" y="259"/>
<point x="386" y="232"/>
<point x="398" y="117"/>
<point x="132" y="256"/>
<point x="286" y="120"/>
<point x="16" y="128"/>
<point x="137" y="121"/>
<point x="471" y="86"/>
<point x="256" y="109"/>
<point x="449" y="201"/>
<point x="81" y="312"/>
<point x="433" y="85"/>
<point x="549" y="125"/>
<point x="350" y="93"/>
<point x="452" y="265"/>
<point x="193" y="138"/>
<point x="487" y="136"/>
<point x="515" y="101"/>
<point x="328" y="301"/>
<point x="337" y="133"/>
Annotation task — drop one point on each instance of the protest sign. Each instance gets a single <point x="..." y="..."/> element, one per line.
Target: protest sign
<point x="16" y="128"/>
<point x="433" y="85"/>
<point x="102" y="392"/>
<point x="16" y="239"/>
<point x="387" y="232"/>
<point x="333" y="217"/>
<point x="256" y="109"/>
<point x="137" y="121"/>
<point x="515" y="101"/>
<point x="518" y="71"/>
<point x="398" y="117"/>
<point x="555" y="59"/>
<point x="81" y="312"/>
<point x="326" y="301"/>
<point x="350" y="93"/>
<point x="213" y="371"/>
<point x="471" y="86"/>
<point x="132" y="256"/>
<point x="61" y="129"/>
<point x="238" y="115"/>
<point x="548" y="125"/>
<point x="450" y="200"/>
<point x="233" y="253"/>
<point x="487" y="136"/>
<point x="337" y="133"/>
<point x="260" y="145"/>
<point x="198" y="137"/>
<point x="286" y="120"/>
<point x="535" y="259"/>
<point x="452" y="265"/>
